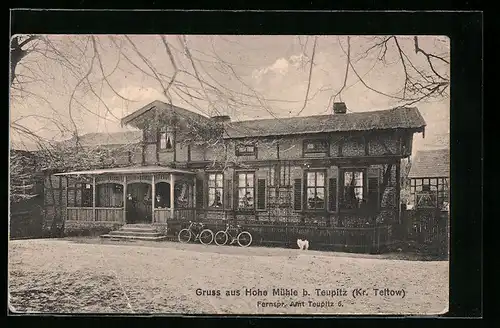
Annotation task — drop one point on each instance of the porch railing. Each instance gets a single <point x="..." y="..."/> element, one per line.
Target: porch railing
<point x="101" y="214"/>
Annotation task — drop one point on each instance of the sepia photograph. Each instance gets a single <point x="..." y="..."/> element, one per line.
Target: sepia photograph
<point x="229" y="174"/>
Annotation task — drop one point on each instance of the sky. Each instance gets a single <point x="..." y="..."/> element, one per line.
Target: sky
<point x="267" y="75"/>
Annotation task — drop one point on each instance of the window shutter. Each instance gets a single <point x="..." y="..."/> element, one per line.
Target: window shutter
<point x="332" y="194"/>
<point x="228" y="191"/>
<point x="200" y="195"/>
<point x="297" y="199"/>
<point x="373" y="192"/>
<point x="261" y="194"/>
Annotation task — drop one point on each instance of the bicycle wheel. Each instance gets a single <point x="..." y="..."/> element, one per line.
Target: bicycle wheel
<point x="206" y="237"/>
<point x="221" y="238"/>
<point x="184" y="235"/>
<point x="244" y="239"/>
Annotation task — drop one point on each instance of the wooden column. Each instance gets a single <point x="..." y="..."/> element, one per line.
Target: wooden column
<point x="398" y="190"/>
<point x="153" y="198"/>
<point x="124" y="199"/>
<point x="93" y="199"/>
<point x="194" y="197"/>
<point x="66" y="202"/>
<point x="172" y="198"/>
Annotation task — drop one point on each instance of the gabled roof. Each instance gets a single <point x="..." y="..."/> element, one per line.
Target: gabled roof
<point x="396" y="118"/>
<point x="107" y="139"/>
<point x="430" y="164"/>
<point x="161" y="106"/>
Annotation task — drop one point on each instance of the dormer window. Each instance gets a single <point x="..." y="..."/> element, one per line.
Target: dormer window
<point x="166" y="138"/>
<point x="246" y="150"/>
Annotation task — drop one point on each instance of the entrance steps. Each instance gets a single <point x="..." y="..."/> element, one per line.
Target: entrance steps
<point x="136" y="232"/>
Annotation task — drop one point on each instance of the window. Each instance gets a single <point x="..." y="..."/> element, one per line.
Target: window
<point x="429" y="192"/>
<point x="82" y="194"/>
<point x="109" y="195"/>
<point x="246" y="190"/>
<point x="315" y="190"/>
<point x="166" y="139"/>
<point x="353" y="189"/>
<point x="315" y="147"/>
<point x="245" y="150"/>
<point x="215" y="189"/>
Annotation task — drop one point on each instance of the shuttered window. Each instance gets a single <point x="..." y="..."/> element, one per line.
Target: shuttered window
<point x="297" y="192"/>
<point x="261" y="194"/>
<point x="199" y="194"/>
<point x="332" y="194"/>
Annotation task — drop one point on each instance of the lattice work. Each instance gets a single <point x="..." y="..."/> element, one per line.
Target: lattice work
<point x="147" y="178"/>
<point x="109" y="179"/>
<point x="165" y="177"/>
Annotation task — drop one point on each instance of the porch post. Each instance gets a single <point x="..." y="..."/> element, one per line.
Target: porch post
<point x="172" y="198"/>
<point x="124" y="199"/>
<point x="153" y="198"/>
<point x="398" y="190"/>
<point x="94" y="199"/>
<point x="66" y="202"/>
<point x="194" y="197"/>
<point x="194" y="193"/>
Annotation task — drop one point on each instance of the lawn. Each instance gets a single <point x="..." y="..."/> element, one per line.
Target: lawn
<point x="94" y="276"/>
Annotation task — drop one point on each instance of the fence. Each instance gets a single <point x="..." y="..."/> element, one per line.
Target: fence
<point x="426" y="230"/>
<point x="363" y="240"/>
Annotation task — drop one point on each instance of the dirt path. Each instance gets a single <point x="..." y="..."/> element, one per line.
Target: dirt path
<point x="69" y="276"/>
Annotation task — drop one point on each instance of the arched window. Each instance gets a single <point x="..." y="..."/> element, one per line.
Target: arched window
<point x="162" y="190"/>
<point x="109" y="195"/>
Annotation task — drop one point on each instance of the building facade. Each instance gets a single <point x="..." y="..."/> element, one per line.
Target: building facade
<point x="336" y="170"/>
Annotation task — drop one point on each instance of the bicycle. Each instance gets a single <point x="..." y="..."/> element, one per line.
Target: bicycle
<point x="206" y="236"/>
<point x="243" y="237"/>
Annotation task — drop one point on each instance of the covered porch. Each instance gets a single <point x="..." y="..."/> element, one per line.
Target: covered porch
<point x="142" y="194"/>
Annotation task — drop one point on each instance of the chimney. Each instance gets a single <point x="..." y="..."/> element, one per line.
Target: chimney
<point x="339" y="108"/>
<point x="221" y="119"/>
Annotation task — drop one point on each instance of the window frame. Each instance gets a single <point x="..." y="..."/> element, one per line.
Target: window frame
<point x="341" y="194"/>
<point x="253" y="187"/>
<point x="209" y="187"/>
<point x="165" y="130"/>
<point x="306" y="187"/>
<point x="238" y="152"/>
<point x="426" y="185"/>
<point x="324" y="141"/>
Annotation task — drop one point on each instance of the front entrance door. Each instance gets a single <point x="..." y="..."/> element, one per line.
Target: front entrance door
<point x="139" y="206"/>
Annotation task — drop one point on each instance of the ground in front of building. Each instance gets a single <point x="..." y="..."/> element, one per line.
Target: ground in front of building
<point x="101" y="276"/>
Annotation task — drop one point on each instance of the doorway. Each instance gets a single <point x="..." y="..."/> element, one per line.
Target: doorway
<point x="138" y="203"/>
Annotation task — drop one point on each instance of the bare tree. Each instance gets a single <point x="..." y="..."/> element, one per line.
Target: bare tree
<point x="86" y="67"/>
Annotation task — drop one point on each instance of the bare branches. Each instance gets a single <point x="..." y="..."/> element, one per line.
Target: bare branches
<point x="172" y="61"/>
<point x="310" y="76"/>
<point x="17" y="52"/>
<point x="348" y="62"/>
<point x="429" y="56"/>
<point x="417" y="84"/>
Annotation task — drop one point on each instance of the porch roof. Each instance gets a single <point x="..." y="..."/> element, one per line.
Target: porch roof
<point x="129" y="170"/>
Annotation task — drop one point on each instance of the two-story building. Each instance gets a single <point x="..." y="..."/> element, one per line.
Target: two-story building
<point x="336" y="170"/>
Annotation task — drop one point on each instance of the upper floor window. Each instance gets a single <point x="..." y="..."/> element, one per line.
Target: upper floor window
<point x="215" y="189"/>
<point x="246" y="149"/>
<point x="315" y="147"/>
<point x="166" y="138"/>
<point x="246" y="190"/>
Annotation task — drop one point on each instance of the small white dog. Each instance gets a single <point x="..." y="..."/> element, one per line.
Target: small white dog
<point x="303" y="244"/>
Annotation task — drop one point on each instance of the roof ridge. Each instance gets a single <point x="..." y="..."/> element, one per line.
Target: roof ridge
<point x="326" y="115"/>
